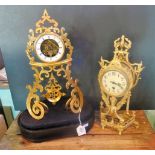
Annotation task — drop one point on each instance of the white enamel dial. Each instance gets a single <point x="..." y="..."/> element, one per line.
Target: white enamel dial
<point x="114" y="83"/>
<point x="49" y="48"/>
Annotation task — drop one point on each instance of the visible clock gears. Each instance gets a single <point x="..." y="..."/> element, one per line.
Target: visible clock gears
<point x="49" y="48"/>
<point x="116" y="79"/>
<point x="55" y="103"/>
<point x="50" y="53"/>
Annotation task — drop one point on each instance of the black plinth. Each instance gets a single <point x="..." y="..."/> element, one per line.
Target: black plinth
<point x="57" y="122"/>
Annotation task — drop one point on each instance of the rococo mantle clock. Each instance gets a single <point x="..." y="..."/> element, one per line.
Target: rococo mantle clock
<point x="50" y="54"/>
<point x="116" y="79"/>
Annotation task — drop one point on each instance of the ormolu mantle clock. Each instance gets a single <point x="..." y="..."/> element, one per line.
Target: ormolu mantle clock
<point x="116" y="79"/>
<point x="50" y="53"/>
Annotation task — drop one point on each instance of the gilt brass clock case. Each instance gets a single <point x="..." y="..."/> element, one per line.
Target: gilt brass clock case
<point x="111" y="103"/>
<point x="47" y="69"/>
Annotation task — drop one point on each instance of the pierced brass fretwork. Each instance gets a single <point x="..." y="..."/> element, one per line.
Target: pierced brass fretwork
<point x="111" y="104"/>
<point x="43" y="71"/>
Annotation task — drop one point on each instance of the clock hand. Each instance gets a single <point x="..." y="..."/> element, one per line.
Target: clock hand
<point x="118" y="84"/>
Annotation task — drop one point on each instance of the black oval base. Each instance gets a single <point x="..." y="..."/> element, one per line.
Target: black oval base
<point x="57" y="122"/>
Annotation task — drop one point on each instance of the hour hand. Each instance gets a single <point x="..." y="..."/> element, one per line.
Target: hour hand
<point x="118" y="84"/>
<point x="114" y="83"/>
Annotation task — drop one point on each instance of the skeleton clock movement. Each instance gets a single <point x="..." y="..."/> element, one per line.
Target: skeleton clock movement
<point x="117" y="78"/>
<point x="50" y="54"/>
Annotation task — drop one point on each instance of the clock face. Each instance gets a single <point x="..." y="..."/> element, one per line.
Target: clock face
<point x="114" y="83"/>
<point x="49" y="48"/>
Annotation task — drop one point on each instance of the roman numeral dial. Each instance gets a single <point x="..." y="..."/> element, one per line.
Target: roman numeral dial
<point x="49" y="48"/>
<point x="114" y="83"/>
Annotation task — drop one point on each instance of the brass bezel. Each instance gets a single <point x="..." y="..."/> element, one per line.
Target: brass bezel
<point x="121" y="71"/>
<point x="54" y="34"/>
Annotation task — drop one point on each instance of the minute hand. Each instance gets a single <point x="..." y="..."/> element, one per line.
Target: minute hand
<point x="118" y="84"/>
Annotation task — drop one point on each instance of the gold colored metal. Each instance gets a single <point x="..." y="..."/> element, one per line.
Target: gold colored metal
<point x="53" y="93"/>
<point x="111" y="104"/>
<point x="48" y="46"/>
<point x="53" y="52"/>
<point x="46" y="71"/>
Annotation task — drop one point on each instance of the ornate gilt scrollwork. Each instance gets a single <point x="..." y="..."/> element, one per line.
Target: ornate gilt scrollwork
<point x="110" y="105"/>
<point x="52" y="90"/>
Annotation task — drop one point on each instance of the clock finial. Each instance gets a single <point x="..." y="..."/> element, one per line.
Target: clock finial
<point x="122" y="44"/>
<point x="45" y="23"/>
<point x="45" y="13"/>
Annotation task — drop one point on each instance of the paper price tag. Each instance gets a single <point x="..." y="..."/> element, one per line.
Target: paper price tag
<point x="81" y="130"/>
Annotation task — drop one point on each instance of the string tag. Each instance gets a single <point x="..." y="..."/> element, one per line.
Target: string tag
<point x="81" y="129"/>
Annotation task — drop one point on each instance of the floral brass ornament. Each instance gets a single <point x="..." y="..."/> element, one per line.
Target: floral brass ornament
<point x="116" y="79"/>
<point x="50" y="54"/>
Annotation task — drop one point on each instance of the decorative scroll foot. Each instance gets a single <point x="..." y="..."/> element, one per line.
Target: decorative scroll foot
<point x="36" y="109"/>
<point x="75" y="102"/>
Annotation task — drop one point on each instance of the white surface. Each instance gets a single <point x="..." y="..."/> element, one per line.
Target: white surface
<point x="114" y="82"/>
<point x="78" y="2"/>
<point x="55" y="58"/>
